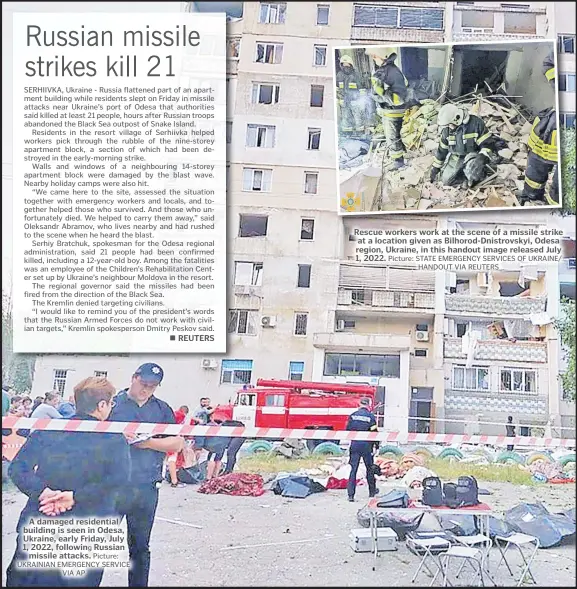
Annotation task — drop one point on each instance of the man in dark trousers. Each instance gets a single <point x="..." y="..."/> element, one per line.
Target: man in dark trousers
<point x="138" y="404"/>
<point x="362" y="420"/>
<point x="510" y="428"/>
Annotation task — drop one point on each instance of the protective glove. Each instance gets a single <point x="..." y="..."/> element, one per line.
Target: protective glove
<point x="434" y="174"/>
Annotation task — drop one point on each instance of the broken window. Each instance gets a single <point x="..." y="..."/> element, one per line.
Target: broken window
<point x="242" y="322"/>
<point x="304" y="277"/>
<point x="248" y="273"/>
<point x="566" y="44"/>
<point x="265" y="93"/>
<point x="307" y="229"/>
<point x="252" y="226"/>
<point x="301" y="321"/>
<point x="311" y="182"/>
<point x="388" y="366"/>
<point x="567" y="82"/>
<point x="260" y="136"/>
<point x="233" y="47"/>
<point x="375" y="16"/>
<point x="518" y="23"/>
<point x="314" y="139"/>
<point x="518" y="380"/>
<point x="393" y="17"/>
<point x="269" y="53"/>
<point x="320" y="55"/>
<point x="512" y="289"/>
<point x="461" y="329"/>
<point x="256" y="180"/>
<point x="421" y="18"/>
<point x="475" y="19"/>
<point x="272" y="14"/>
<point x="317" y="95"/>
<point x="470" y="379"/>
<point x="323" y="14"/>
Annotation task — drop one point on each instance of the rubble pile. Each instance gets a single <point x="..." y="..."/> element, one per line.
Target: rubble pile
<point x="409" y="187"/>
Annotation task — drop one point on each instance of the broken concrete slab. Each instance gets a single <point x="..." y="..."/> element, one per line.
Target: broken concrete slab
<point x="425" y="204"/>
<point x="430" y="144"/>
<point x="526" y="128"/>
<point x="506" y="153"/>
<point x="513" y="146"/>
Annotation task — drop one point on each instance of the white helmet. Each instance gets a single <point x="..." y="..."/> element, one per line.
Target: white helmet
<point x="383" y="53"/>
<point x="451" y="114"/>
<point x="347" y="59"/>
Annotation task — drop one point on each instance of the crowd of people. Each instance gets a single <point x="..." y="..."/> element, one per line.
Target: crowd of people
<point x="102" y="474"/>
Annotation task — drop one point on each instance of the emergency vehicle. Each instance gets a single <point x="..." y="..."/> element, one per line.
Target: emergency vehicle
<point x="296" y="404"/>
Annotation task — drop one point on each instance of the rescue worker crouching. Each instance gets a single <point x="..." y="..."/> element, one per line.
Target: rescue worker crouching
<point x="362" y="420"/>
<point x="391" y="93"/>
<point x="543" y="156"/>
<point x="350" y="97"/>
<point x="465" y="147"/>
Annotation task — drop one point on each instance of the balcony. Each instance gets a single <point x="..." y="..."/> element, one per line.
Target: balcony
<point x="382" y="342"/>
<point x="363" y="299"/>
<point x="483" y="402"/>
<point x="494" y="306"/>
<point x="496" y="349"/>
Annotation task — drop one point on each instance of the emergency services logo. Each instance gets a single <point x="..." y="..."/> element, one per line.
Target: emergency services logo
<point x="156" y="370"/>
<point x="350" y="202"/>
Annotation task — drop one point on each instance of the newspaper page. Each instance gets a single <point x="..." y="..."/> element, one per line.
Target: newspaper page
<point x="287" y="285"/>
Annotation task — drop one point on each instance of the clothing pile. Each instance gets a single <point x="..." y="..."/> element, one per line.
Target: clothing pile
<point x="238" y="484"/>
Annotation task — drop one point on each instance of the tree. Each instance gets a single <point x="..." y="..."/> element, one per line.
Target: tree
<point x="568" y="170"/>
<point x="566" y="326"/>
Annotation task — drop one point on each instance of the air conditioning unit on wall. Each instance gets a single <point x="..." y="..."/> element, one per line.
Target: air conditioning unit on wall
<point x="268" y="321"/>
<point x="209" y="363"/>
<point x="422" y="336"/>
<point x="340" y="325"/>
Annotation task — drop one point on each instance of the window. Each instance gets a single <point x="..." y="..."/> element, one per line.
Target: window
<point x="256" y="180"/>
<point x="307" y="229"/>
<point x="248" y="273"/>
<point x="323" y="14"/>
<point x="233" y="48"/>
<point x="567" y="119"/>
<point x="274" y="401"/>
<point x="252" y="226"/>
<point x="296" y="370"/>
<point x="461" y="329"/>
<point x="470" y="379"/>
<point x="566" y="44"/>
<point x="394" y="17"/>
<point x="236" y="371"/>
<point x="518" y="380"/>
<point x="518" y="23"/>
<point x="421" y="353"/>
<point x="229" y="131"/>
<point x="320" y="55"/>
<point x="388" y="365"/>
<point x="317" y="95"/>
<point x="260" y="136"/>
<point x="567" y="82"/>
<point x="272" y="14"/>
<point x="265" y="93"/>
<point x="311" y="182"/>
<point x="59" y="383"/>
<point x="517" y="6"/>
<point x="242" y="322"/>
<point x="422" y="327"/>
<point x="301" y="321"/>
<point x="101" y="373"/>
<point x="269" y="53"/>
<point x="304" y="277"/>
<point x="476" y="19"/>
<point x="314" y="139"/>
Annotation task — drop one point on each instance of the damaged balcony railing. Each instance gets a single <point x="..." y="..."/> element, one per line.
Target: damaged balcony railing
<point x="483" y="402"/>
<point x="498" y="349"/>
<point x="362" y="297"/>
<point x="495" y="306"/>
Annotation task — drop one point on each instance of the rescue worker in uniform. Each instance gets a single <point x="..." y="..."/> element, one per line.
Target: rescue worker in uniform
<point x="362" y="420"/>
<point x="349" y="97"/>
<point x="465" y="145"/>
<point x="542" y="157"/>
<point x="391" y="93"/>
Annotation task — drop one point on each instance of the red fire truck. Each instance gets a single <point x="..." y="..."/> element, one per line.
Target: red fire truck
<point x="296" y="404"/>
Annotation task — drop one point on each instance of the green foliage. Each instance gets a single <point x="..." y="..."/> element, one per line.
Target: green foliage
<point x="568" y="170"/>
<point x="566" y="326"/>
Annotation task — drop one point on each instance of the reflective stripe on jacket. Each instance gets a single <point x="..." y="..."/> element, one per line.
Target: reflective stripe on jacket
<point x="543" y="136"/>
<point x="390" y="85"/>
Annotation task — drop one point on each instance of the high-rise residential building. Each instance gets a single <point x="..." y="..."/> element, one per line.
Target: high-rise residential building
<point x="565" y="28"/>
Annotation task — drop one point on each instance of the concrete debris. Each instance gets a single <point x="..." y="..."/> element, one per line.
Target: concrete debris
<point x="506" y="154"/>
<point x="513" y="146"/>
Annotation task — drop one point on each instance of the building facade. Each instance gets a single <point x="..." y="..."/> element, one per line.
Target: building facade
<point x="301" y="308"/>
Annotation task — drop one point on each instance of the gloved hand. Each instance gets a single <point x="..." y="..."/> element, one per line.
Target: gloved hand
<point x="434" y="174"/>
<point x="340" y="102"/>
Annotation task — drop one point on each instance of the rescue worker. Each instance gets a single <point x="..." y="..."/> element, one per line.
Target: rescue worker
<point x="391" y="93"/>
<point x="465" y="145"/>
<point x="542" y="157"/>
<point x="362" y="420"/>
<point x="350" y="97"/>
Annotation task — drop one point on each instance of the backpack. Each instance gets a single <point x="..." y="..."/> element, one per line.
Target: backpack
<point x="465" y="493"/>
<point x="432" y="492"/>
<point x="394" y="499"/>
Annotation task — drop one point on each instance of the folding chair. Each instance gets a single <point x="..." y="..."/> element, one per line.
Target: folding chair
<point x="467" y="554"/>
<point x="518" y="540"/>
<point x="477" y="541"/>
<point x="429" y="546"/>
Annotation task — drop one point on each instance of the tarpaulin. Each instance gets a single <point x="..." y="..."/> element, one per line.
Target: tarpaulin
<point x="296" y="486"/>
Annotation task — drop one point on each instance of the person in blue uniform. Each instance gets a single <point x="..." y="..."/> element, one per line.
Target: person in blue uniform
<point x="139" y="404"/>
<point x="362" y="420"/>
<point x="79" y="474"/>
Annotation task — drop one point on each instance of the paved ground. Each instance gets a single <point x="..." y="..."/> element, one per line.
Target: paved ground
<point x="305" y="541"/>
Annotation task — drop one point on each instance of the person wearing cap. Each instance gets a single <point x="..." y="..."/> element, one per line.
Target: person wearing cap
<point x="542" y="158"/>
<point x="465" y="147"/>
<point x="349" y="95"/>
<point x="391" y="93"/>
<point x="138" y="404"/>
<point x="362" y="420"/>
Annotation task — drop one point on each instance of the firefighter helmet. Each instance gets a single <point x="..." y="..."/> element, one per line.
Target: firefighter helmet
<point x="549" y="68"/>
<point x="451" y="114"/>
<point x="383" y="53"/>
<point x="346" y="60"/>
